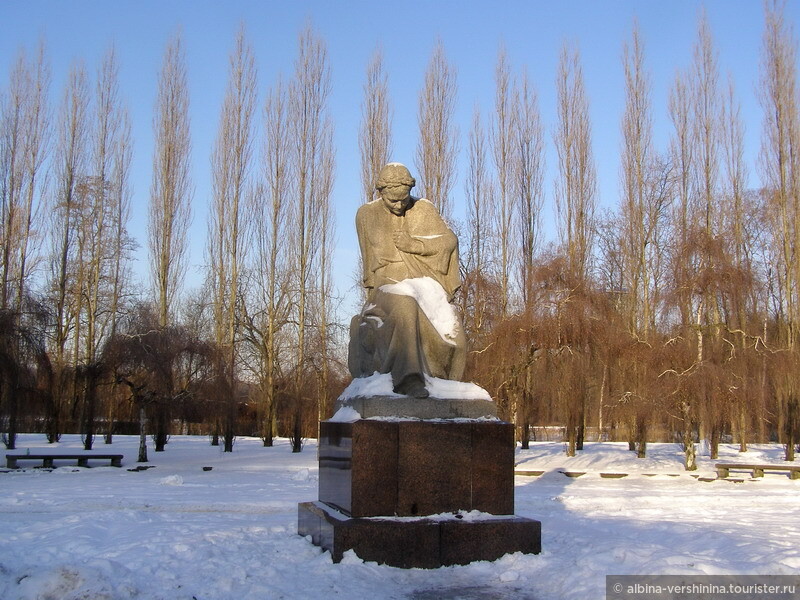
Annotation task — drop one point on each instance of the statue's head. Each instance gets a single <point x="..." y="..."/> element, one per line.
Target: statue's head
<point x="394" y="185"/>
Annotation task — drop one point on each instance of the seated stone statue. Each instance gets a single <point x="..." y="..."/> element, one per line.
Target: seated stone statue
<point x="410" y="257"/>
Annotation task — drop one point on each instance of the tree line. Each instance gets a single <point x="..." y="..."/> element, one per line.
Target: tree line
<point x="252" y="350"/>
<point x="673" y="316"/>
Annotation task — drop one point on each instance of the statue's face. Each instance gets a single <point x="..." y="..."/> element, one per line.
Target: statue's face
<point x="396" y="199"/>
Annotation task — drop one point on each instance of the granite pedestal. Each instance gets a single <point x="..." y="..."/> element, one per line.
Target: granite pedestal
<point x="417" y="493"/>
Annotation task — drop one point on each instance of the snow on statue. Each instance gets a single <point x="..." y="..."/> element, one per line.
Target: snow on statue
<point x="407" y="328"/>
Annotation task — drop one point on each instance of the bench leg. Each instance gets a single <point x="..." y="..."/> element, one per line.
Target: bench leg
<point x="11" y="462"/>
<point x="47" y="462"/>
<point x="758" y="472"/>
<point x="722" y="472"/>
<point x="794" y="474"/>
<point x="116" y="462"/>
<point x="83" y="462"/>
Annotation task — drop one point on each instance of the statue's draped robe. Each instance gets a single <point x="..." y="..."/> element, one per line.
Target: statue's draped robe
<point x="392" y="334"/>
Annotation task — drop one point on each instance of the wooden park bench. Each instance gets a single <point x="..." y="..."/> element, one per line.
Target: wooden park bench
<point x="47" y="459"/>
<point x="724" y="469"/>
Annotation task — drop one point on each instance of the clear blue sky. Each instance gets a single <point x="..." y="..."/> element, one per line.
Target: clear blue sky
<point x="533" y="32"/>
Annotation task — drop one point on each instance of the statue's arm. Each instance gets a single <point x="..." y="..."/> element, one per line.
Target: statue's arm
<point x="437" y="239"/>
<point x="438" y="243"/>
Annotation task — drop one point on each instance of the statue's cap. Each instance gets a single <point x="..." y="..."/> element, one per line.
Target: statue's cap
<point x="393" y="174"/>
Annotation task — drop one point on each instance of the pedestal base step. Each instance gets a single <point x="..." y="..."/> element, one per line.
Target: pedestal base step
<point x="426" y="543"/>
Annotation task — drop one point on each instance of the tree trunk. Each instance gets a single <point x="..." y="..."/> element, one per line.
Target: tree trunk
<point x="90" y="402"/>
<point x="641" y="436"/>
<point x="581" y="428"/>
<point x="268" y="417"/>
<point x="142" y="434"/>
<point x="526" y="435"/>
<point x="10" y="401"/>
<point x="162" y="433"/>
<point x="790" y="432"/>
<point x="230" y="427"/>
<point x="714" y="441"/>
<point x="297" y="430"/>
<point x="690" y="454"/>
<point x="742" y="429"/>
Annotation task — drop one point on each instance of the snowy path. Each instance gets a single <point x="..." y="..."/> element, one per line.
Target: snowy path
<point x="178" y="532"/>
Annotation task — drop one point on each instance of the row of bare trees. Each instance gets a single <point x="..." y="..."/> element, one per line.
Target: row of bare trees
<point x="674" y="316"/>
<point x="81" y="346"/>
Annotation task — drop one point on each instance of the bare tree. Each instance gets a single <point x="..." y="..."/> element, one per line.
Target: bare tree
<point x="170" y="197"/>
<point x="741" y="303"/>
<point x="325" y="294"/>
<point x="779" y="162"/>
<point x="780" y="170"/>
<point x="374" y="136"/>
<point x="71" y="163"/>
<point x="24" y="122"/>
<point x="636" y="154"/>
<point x="122" y="244"/>
<point x="98" y="231"/>
<point x="171" y="190"/>
<point x="160" y="366"/>
<point x="24" y="117"/>
<point x="682" y="156"/>
<point x="529" y="180"/>
<point x="575" y="195"/>
<point x="230" y="168"/>
<point x="706" y="109"/>
<point x="710" y="259"/>
<point x="504" y="161"/>
<point x="310" y="128"/>
<point x="437" y="145"/>
<point x="267" y="314"/>
<point x="375" y="133"/>
<point x="480" y="212"/>
<point x="576" y="204"/>
<point x="96" y="236"/>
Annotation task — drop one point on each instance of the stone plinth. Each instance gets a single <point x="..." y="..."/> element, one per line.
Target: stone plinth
<point x="427" y="408"/>
<point x="415" y="492"/>
<point x="412" y="468"/>
<point x="426" y="543"/>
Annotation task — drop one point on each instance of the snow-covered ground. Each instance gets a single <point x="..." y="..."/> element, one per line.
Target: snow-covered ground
<point x="177" y="531"/>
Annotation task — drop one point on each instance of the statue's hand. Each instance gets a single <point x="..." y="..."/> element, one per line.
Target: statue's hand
<point x="406" y="243"/>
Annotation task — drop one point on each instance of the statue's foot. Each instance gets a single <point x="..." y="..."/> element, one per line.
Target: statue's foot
<point x="412" y="385"/>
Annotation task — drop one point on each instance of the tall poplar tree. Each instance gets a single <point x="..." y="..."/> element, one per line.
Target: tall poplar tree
<point x="171" y="189"/>
<point x="437" y="145"/>
<point x="231" y="163"/>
